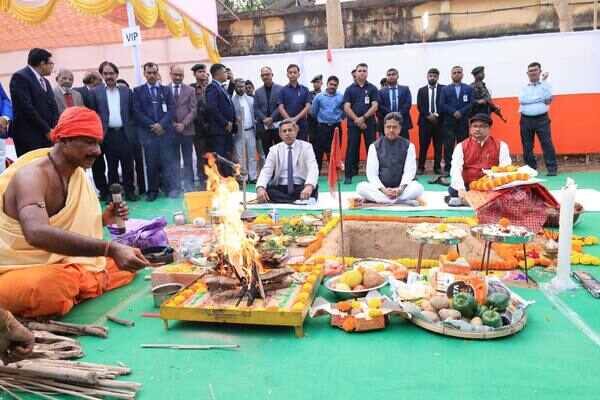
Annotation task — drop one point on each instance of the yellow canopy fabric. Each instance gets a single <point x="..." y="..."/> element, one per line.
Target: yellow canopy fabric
<point x="147" y="12"/>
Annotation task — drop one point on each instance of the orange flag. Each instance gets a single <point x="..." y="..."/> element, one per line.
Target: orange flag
<point x="335" y="162"/>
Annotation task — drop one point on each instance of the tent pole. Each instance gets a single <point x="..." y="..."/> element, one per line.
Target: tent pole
<point x="135" y="50"/>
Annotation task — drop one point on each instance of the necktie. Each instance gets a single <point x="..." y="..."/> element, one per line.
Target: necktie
<point x="176" y="92"/>
<point x="155" y="102"/>
<point x="290" y="171"/>
<point x="43" y="83"/>
<point x="432" y="100"/>
<point x="69" y="99"/>
<point x="394" y="99"/>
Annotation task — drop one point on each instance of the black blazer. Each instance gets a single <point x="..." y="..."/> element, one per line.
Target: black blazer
<point x="35" y="111"/>
<point x="423" y="103"/>
<point x="99" y="103"/>
<point x="86" y="95"/>
<point x="220" y="109"/>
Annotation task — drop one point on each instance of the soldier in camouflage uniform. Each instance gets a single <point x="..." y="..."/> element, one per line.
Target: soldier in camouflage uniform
<point x="481" y="95"/>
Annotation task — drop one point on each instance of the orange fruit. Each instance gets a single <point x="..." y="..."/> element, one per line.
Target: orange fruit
<point x="452" y="256"/>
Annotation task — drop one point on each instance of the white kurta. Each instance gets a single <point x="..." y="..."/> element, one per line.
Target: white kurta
<point x="370" y="190"/>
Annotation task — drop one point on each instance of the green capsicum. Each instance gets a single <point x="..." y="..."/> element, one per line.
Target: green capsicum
<point x="498" y="301"/>
<point x="465" y="303"/>
<point x="491" y="318"/>
<point x="481" y="308"/>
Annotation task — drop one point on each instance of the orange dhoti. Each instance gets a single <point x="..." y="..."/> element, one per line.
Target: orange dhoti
<point x="35" y="282"/>
<point x="55" y="289"/>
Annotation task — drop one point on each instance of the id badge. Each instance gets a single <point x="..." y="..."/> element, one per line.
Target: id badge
<point x="465" y="98"/>
<point x="367" y="100"/>
<point x="164" y="107"/>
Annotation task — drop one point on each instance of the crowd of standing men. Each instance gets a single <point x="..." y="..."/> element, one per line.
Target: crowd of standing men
<point x="163" y="124"/>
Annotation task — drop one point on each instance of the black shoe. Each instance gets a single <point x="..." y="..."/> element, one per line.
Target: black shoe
<point x="347" y="181"/>
<point x="173" y="194"/>
<point x="151" y="196"/>
<point x="551" y="173"/>
<point x="444" y="181"/>
<point x="421" y="171"/>
<point x="252" y="182"/>
<point x="130" y="196"/>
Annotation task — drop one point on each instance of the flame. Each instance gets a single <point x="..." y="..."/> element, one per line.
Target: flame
<point x="232" y="241"/>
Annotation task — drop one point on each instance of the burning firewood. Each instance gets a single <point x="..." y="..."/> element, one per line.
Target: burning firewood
<point x="219" y="282"/>
<point x="276" y="274"/>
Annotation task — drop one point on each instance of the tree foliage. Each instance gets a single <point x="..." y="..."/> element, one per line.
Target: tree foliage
<point x="248" y="5"/>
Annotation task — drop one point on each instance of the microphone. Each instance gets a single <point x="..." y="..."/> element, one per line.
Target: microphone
<point x="117" y="191"/>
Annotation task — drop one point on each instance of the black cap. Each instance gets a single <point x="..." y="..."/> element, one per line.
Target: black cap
<point x="317" y="78"/>
<point x="198" y="66"/>
<point x="477" y="70"/>
<point x="483" y="117"/>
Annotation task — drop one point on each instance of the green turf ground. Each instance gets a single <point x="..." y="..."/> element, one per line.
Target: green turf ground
<point x="549" y="359"/>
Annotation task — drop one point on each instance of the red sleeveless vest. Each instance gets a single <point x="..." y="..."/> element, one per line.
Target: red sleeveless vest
<point x="477" y="158"/>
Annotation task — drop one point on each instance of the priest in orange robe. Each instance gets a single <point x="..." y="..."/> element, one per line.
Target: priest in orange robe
<point x="52" y="255"/>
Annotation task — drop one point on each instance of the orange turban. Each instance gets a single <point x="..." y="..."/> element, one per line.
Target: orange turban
<point x="77" y="121"/>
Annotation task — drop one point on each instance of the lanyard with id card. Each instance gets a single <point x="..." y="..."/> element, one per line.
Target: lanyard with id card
<point x="465" y="98"/>
<point x="367" y="98"/>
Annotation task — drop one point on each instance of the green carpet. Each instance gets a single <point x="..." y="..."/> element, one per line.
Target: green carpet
<point x="549" y="359"/>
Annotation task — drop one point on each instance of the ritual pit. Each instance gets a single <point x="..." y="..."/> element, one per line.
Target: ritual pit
<point x="390" y="240"/>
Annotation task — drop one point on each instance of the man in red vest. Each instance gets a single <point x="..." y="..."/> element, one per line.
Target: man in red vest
<point x="480" y="151"/>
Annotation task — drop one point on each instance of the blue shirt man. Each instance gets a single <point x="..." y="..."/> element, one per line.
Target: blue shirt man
<point x="535" y="98"/>
<point x="294" y="101"/>
<point x="327" y="107"/>
<point x="534" y="103"/>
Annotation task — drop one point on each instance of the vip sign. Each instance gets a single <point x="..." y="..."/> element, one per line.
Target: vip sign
<point x="131" y="36"/>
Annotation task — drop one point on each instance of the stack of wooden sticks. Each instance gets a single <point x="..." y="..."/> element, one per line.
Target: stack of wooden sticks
<point x="44" y="377"/>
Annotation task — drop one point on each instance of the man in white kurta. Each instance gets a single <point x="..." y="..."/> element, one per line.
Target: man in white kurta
<point x="391" y="168"/>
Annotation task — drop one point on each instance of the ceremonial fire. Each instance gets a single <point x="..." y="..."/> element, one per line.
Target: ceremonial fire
<point x="239" y="269"/>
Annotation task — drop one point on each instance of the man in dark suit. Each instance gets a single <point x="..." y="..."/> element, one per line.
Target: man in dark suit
<point x="455" y="103"/>
<point x="220" y="115"/>
<point x="91" y="79"/>
<point x="34" y="107"/>
<point x="430" y="122"/>
<point x="154" y="109"/>
<point x="266" y="111"/>
<point x="201" y="128"/>
<point x="114" y="106"/>
<point x="395" y="98"/>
